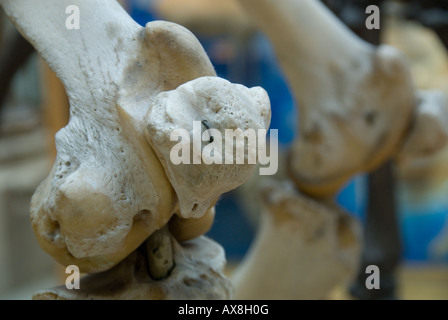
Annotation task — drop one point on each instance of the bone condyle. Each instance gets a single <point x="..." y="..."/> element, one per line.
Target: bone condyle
<point x="355" y="100"/>
<point x="303" y="249"/>
<point x="357" y="108"/>
<point x="199" y="184"/>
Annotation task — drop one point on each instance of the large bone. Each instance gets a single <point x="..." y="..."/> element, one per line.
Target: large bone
<point x="108" y="191"/>
<point x="355" y="100"/>
<point x="303" y="249"/>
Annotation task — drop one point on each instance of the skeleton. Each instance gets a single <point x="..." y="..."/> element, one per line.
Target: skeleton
<point x="194" y="277"/>
<point x="110" y="190"/>
<point x="358" y="107"/>
<point x="354" y="99"/>
<point x="113" y="190"/>
<point x="303" y="248"/>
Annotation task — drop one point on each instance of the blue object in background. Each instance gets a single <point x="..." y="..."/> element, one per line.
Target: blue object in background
<point x="424" y="223"/>
<point x="231" y="228"/>
<point x="140" y="11"/>
<point x="353" y="197"/>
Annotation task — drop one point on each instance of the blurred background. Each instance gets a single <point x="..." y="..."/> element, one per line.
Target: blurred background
<point x="34" y="108"/>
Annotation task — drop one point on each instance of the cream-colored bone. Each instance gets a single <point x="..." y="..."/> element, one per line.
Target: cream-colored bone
<point x="355" y="100"/>
<point x="224" y="106"/>
<point x="421" y="161"/>
<point x="303" y="248"/>
<point x="108" y="191"/>
<point x="198" y="274"/>
<point x="428" y="133"/>
<point x="186" y="229"/>
<point x="159" y="254"/>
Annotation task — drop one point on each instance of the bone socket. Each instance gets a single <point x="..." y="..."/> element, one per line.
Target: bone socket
<point x="159" y="254"/>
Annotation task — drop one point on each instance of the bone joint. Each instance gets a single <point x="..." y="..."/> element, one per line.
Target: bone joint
<point x="355" y="100"/>
<point x="112" y="187"/>
<point x="303" y="249"/>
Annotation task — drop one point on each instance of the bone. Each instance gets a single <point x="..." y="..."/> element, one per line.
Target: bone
<point x="217" y="103"/>
<point x="108" y="191"/>
<point x="198" y="275"/>
<point x="355" y="100"/>
<point x="428" y="134"/>
<point x="159" y="253"/>
<point x="187" y="229"/>
<point x="303" y="248"/>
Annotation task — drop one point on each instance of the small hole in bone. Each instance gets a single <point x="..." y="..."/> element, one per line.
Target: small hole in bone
<point x="370" y="118"/>
<point x="314" y="134"/>
<point x="54" y="230"/>
<point x="194" y="207"/>
<point x="143" y="215"/>
<point x="68" y="164"/>
<point x="190" y="282"/>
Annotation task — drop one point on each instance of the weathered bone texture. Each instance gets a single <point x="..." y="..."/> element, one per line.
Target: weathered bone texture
<point x="355" y="100"/>
<point x="198" y="275"/>
<point x="158" y="250"/>
<point x="219" y="102"/>
<point x="303" y="248"/>
<point x="428" y="134"/>
<point x="108" y="191"/>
